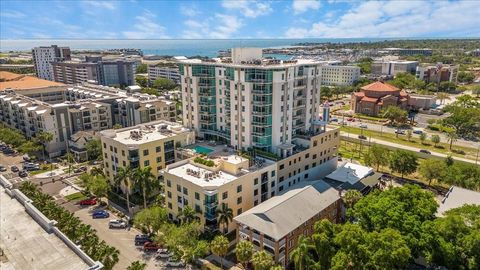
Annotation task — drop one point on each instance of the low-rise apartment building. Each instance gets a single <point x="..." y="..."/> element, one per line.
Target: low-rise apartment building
<point x="339" y="75"/>
<point x="163" y="71"/>
<point x="437" y="73"/>
<point x="151" y="145"/>
<point x="230" y="180"/>
<point x="392" y="68"/>
<point x="276" y="225"/>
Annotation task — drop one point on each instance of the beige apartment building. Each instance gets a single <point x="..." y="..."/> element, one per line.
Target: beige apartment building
<point x="232" y="180"/>
<point x="276" y="225"/>
<point x="147" y="145"/>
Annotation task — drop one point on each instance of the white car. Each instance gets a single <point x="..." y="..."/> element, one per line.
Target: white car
<point x="117" y="224"/>
<point x="174" y="263"/>
<point x="363" y="125"/>
<point x="163" y="253"/>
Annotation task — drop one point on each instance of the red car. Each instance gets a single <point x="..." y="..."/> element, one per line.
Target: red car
<point x="151" y="246"/>
<point x="88" y="202"/>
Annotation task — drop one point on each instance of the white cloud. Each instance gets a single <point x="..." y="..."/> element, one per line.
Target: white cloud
<point x="189" y="11"/>
<point x="12" y="14"/>
<point x="300" y="6"/>
<point x="248" y="8"/>
<point x="110" y="5"/>
<point x="219" y="26"/>
<point x="398" y="19"/>
<point x="146" y="27"/>
<point x="226" y="26"/>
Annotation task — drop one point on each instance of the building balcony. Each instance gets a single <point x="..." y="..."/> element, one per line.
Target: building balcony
<point x="269" y="243"/>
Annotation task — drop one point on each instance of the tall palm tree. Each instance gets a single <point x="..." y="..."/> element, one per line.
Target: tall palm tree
<point x="219" y="247"/>
<point x="70" y="160"/>
<point x="244" y="251"/>
<point x="124" y="176"/>
<point x="187" y="215"/>
<point x="145" y="181"/>
<point x="351" y="197"/>
<point x="97" y="171"/>
<point x="301" y="254"/>
<point x="29" y="189"/>
<point x="137" y="265"/>
<point x="452" y="137"/>
<point x="262" y="260"/>
<point x="224" y="216"/>
<point x="43" y="138"/>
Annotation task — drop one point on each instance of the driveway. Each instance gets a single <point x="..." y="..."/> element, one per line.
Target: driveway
<point x="121" y="239"/>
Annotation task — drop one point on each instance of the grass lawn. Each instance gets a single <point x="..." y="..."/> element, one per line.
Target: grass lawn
<point x="39" y="171"/>
<point x="76" y="197"/>
<point x="371" y="118"/>
<point x="414" y="142"/>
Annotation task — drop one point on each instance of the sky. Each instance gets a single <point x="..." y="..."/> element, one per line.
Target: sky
<point x="136" y="19"/>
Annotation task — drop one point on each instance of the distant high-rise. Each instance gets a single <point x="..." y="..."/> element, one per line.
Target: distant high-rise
<point x="43" y="57"/>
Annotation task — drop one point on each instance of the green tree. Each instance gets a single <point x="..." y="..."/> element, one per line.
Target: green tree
<point x="144" y="180"/>
<point x="150" y="220"/>
<point x="409" y="134"/>
<point x="476" y="91"/>
<point x="98" y="186"/>
<point x="43" y="138"/>
<point x="124" y="177"/>
<point x="452" y="137"/>
<point x="150" y="91"/>
<point x="432" y="169"/>
<point x="447" y="86"/>
<point x="219" y="247"/>
<point x="117" y="126"/>
<point x="262" y="260"/>
<point x="376" y="156"/>
<point x="388" y="250"/>
<point x="395" y="114"/>
<point x="187" y="215"/>
<point x="442" y="96"/>
<point x="244" y="252"/>
<point x="351" y="197"/>
<point x="465" y="77"/>
<point x="137" y="265"/>
<point x="435" y="139"/>
<point x="164" y="84"/>
<point x="403" y="162"/>
<point x="423" y="137"/>
<point x="224" y="216"/>
<point x="301" y="254"/>
<point x="325" y="92"/>
<point x="29" y="148"/>
<point x="142" y="68"/>
<point x="94" y="149"/>
<point x="141" y="81"/>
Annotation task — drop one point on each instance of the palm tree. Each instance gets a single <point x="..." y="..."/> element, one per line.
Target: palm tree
<point x="423" y="137"/>
<point x="224" y="216"/>
<point x="409" y="135"/>
<point x="70" y="159"/>
<point x="276" y="267"/>
<point x="452" y="137"/>
<point x="262" y="260"/>
<point x="29" y="189"/>
<point x="244" y="252"/>
<point x="137" y="265"/>
<point x="351" y="197"/>
<point x="301" y="254"/>
<point x="187" y="215"/>
<point x="110" y="257"/>
<point x="97" y="171"/>
<point x="43" y="138"/>
<point x="124" y="176"/>
<point x="219" y="247"/>
<point x="144" y="180"/>
<point x="442" y="97"/>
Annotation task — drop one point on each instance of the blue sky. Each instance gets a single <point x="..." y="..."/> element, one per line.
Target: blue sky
<point x="136" y="19"/>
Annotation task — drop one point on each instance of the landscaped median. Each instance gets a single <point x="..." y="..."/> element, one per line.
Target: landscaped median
<point x="443" y="148"/>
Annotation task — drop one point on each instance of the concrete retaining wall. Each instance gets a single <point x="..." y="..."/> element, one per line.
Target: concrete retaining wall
<point x="47" y="224"/>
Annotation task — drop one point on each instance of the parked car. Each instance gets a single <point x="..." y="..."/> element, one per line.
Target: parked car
<point x="141" y="239"/>
<point x="150" y="246"/>
<point x="163" y="253"/>
<point x="171" y="262"/>
<point x="363" y="126"/>
<point x="14" y="168"/>
<point x="350" y="120"/>
<point x="100" y="214"/>
<point x="117" y="224"/>
<point x="417" y="131"/>
<point x="399" y="131"/>
<point x="22" y="174"/>
<point x="91" y="201"/>
<point x="8" y="151"/>
<point x="2" y="168"/>
<point x="334" y="120"/>
<point x="31" y="166"/>
<point x="425" y="151"/>
<point x="26" y="158"/>
<point x="362" y="137"/>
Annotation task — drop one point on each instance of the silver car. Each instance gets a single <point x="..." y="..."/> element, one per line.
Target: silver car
<point x="117" y="224"/>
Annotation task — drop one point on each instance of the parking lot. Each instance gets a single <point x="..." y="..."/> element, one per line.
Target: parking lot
<point x="122" y="239"/>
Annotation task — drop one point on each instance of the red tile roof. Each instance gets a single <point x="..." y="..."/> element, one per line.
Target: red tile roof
<point x="403" y="93"/>
<point x="369" y="99"/>
<point x="23" y="82"/>
<point x="380" y="86"/>
<point x="359" y="94"/>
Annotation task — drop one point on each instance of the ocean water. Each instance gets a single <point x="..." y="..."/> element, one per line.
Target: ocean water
<point x="173" y="47"/>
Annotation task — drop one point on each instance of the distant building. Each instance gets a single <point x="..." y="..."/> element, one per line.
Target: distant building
<point x="162" y="71"/>
<point x="339" y="75"/>
<point x="373" y="97"/>
<point x="438" y="73"/>
<point x="43" y="57"/>
<point x="70" y="72"/>
<point x="77" y="144"/>
<point x="275" y="225"/>
<point x="424" y="102"/>
<point x="405" y="52"/>
<point x="394" y="67"/>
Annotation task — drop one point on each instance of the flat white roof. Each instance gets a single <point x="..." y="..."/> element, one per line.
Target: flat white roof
<point x="350" y="173"/>
<point x="457" y="197"/>
<point x="221" y="179"/>
<point x="148" y="134"/>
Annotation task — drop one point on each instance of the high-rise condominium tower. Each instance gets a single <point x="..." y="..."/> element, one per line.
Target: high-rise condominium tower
<point x="43" y="58"/>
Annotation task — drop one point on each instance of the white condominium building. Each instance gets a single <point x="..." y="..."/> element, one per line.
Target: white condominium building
<point x="339" y="75"/>
<point x="44" y="56"/>
<point x="163" y="71"/>
<point x="248" y="101"/>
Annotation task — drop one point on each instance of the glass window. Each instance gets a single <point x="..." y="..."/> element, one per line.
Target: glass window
<point x="145" y="152"/>
<point x="179" y="188"/>
<point x="239" y="200"/>
<point x="225" y="195"/>
<point x="146" y="163"/>
<point x="197" y="196"/>
<point x="239" y="188"/>
<point x="158" y="149"/>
